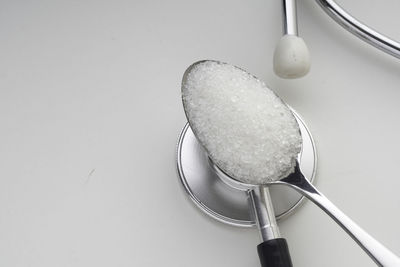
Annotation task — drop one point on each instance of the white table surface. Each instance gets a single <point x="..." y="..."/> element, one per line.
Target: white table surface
<point x="90" y="112"/>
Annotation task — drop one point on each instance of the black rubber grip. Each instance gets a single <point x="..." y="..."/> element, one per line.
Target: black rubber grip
<point x="274" y="253"/>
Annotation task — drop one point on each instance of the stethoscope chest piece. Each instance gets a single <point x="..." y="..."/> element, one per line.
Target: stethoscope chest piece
<point x="224" y="202"/>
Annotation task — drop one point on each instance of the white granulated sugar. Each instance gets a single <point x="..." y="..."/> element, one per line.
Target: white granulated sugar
<point x="247" y="130"/>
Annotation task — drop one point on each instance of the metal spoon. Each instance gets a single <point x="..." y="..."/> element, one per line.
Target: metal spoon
<point x="296" y="180"/>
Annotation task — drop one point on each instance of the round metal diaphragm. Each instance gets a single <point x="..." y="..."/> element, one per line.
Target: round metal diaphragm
<point x="225" y="203"/>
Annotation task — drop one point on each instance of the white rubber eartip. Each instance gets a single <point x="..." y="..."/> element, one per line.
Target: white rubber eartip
<point x="291" y="57"/>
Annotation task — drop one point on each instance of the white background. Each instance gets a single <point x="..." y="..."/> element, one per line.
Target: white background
<point x="90" y="112"/>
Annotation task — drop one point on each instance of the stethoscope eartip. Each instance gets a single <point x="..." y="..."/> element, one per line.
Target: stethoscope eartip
<point x="291" y="57"/>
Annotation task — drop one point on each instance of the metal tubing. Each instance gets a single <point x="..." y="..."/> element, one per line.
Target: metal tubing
<point x="289" y="17"/>
<point x="359" y="29"/>
<point x="264" y="213"/>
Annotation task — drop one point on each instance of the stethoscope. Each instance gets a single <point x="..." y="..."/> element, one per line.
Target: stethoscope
<point x="228" y="203"/>
<point x="292" y="57"/>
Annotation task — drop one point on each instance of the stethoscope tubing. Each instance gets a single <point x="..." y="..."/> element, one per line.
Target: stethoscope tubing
<point x="359" y="29"/>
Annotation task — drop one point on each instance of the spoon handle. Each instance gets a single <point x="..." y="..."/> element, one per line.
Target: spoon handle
<point x="379" y="253"/>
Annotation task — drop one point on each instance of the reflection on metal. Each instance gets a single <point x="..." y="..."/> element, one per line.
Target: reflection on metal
<point x="359" y="29"/>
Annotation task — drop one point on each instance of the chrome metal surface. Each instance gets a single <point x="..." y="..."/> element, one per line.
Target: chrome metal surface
<point x="264" y="213"/>
<point x="359" y="29"/>
<point x="260" y="203"/>
<point x="289" y="17"/>
<point x="231" y="204"/>
<point x="380" y="254"/>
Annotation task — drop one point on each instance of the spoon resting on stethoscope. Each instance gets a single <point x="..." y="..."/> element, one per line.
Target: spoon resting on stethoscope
<point x="253" y="142"/>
